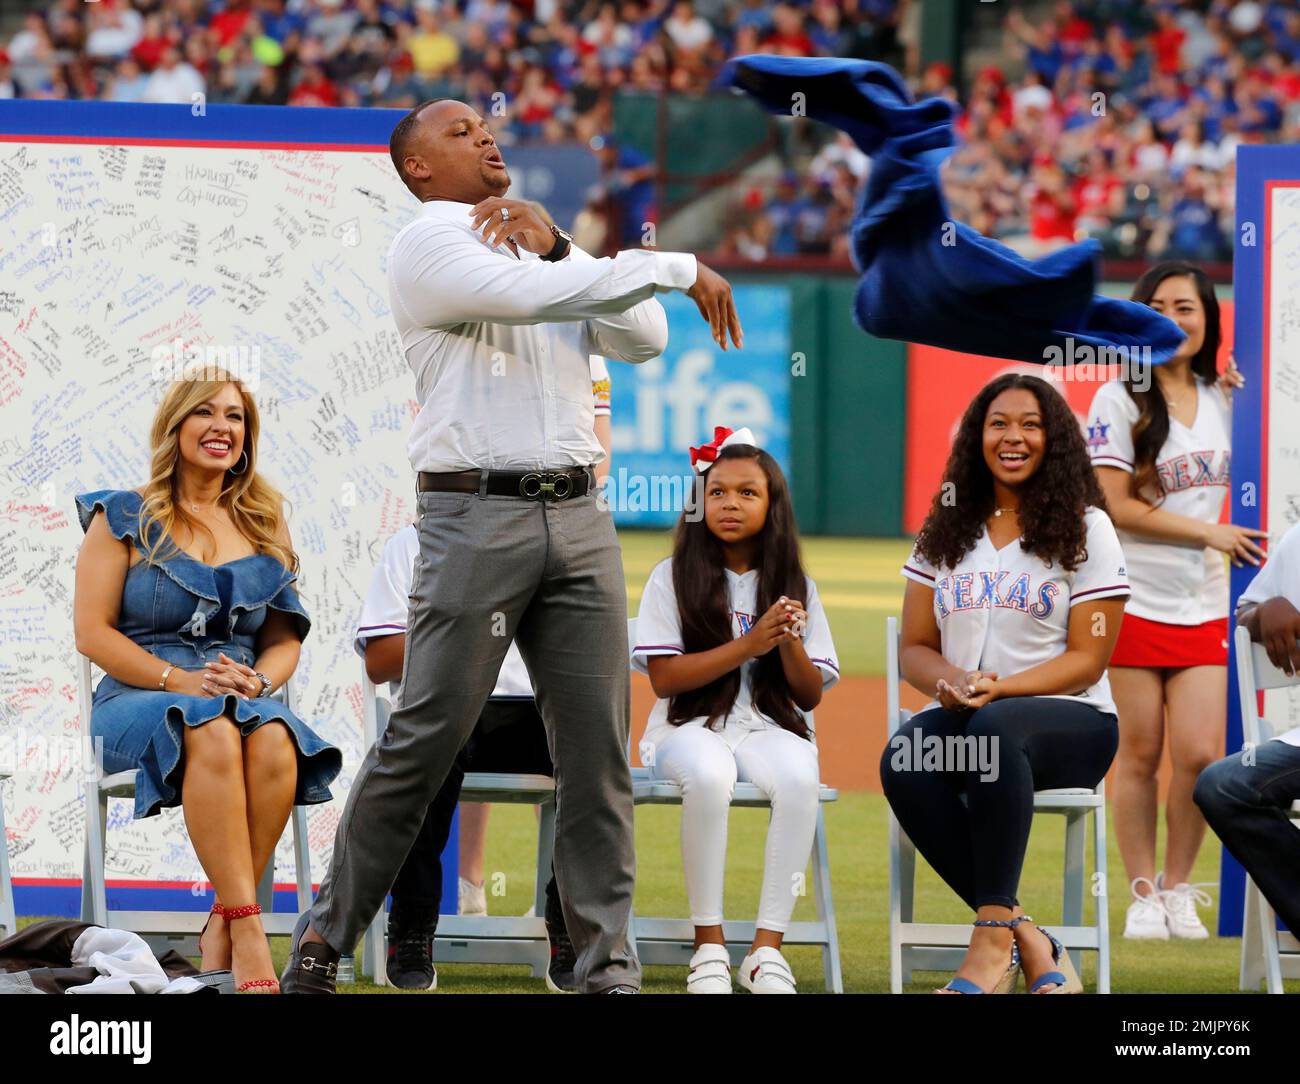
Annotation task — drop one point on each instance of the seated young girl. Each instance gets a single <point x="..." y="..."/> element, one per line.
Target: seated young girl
<point x="1015" y="601"/>
<point x="737" y="647"/>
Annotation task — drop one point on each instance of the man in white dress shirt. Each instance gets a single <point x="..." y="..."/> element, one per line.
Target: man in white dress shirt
<point x="498" y="313"/>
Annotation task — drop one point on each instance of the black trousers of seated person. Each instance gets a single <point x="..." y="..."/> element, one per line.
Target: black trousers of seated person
<point x="974" y="831"/>
<point x="509" y="737"/>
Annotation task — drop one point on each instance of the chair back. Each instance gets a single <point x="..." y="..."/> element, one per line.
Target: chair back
<point x="1256" y="674"/>
<point x="896" y="715"/>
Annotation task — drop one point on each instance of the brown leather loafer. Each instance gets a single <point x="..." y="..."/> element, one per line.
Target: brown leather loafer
<point x="313" y="968"/>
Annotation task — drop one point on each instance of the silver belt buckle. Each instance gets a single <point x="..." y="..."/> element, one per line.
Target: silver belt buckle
<point x="545" y="486"/>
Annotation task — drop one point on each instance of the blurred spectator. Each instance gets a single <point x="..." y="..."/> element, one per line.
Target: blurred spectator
<point x="1138" y="107"/>
<point x="174" y="80"/>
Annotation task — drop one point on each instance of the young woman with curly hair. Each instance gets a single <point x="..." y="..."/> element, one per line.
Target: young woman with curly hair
<point x="1016" y="595"/>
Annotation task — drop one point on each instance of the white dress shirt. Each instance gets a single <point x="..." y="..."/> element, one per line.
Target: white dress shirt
<point x="500" y="344"/>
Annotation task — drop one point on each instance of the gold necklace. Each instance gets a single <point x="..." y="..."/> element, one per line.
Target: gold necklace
<point x="999" y="511"/>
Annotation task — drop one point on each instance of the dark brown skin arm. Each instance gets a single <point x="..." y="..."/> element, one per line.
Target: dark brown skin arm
<point x="384" y="656"/>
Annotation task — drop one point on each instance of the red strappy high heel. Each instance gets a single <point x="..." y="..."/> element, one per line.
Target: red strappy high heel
<point x="233" y="914"/>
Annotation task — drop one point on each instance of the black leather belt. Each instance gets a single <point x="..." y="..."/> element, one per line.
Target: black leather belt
<point x="544" y="485"/>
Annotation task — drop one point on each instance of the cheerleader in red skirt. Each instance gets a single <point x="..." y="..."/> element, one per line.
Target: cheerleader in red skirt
<point x="1162" y="450"/>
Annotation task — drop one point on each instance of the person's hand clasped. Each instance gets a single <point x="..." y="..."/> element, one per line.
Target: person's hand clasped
<point x="514" y="220"/>
<point x="228" y="676"/>
<point x="977" y="688"/>
<point x="776" y="626"/>
<point x="712" y="296"/>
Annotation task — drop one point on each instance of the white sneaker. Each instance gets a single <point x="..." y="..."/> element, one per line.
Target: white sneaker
<point x="710" y="971"/>
<point x="765" y="971"/>
<point x="1147" y="919"/>
<point x="1180" y="905"/>
<point x="472" y="898"/>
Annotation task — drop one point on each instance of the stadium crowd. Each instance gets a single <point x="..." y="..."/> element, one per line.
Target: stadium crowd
<point x="1109" y="119"/>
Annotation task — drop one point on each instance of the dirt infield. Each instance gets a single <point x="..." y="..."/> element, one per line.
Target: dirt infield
<point x="850" y="730"/>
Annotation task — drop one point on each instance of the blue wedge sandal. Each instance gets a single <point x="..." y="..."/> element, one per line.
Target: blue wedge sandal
<point x="1007" y="983"/>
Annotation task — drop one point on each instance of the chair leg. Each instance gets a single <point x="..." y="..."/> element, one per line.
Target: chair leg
<point x="374" y="951"/>
<point x="895" y="908"/>
<point x="94" y="895"/>
<point x="302" y="858"/>
<point x="826" y="909"/>
<point x="1101" y="897"/>
<point x="1251" y="971"/>
<point x="1268" y="941"/>
<point x="545" y="857"/>
<point x="1076" y="849"/>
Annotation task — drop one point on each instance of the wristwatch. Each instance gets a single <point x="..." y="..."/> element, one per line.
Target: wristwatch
<point x="267" y="685"/>
<point x="562" y="242"/>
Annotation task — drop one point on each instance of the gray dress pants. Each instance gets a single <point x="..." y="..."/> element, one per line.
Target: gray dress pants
<point x="548" y="574"/>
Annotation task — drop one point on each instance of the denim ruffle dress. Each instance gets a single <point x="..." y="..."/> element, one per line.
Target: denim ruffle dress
<point x="187" y="613"/>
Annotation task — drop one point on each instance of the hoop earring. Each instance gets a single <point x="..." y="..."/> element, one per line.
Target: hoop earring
<point x="244" y="456"/>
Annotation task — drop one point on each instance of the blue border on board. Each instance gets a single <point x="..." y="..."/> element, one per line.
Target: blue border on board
<point x="1255" y="167"/>
<point x="279" y="124"/>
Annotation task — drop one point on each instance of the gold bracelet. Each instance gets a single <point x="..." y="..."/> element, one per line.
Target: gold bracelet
<point x="162" y="681"/>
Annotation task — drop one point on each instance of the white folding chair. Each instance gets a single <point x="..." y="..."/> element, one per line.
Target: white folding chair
<point x="477" y="939"/>
<point x="929" y="946"/>
<point x="1266" y="954"/>
<point x="8" y="917"/>
<point x="169" y="929"/>
<point x="672" y="940"/>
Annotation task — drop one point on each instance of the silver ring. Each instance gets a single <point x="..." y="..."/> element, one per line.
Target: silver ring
<point x="505" y="214"/>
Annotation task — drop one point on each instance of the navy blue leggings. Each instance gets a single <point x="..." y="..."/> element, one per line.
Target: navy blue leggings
<point x="970" y="819"/>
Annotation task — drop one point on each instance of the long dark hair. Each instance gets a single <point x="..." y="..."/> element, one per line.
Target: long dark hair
<point x="700" y="584"/>
<point x="1151" y="430"/>
<point x="1052" y="501"/>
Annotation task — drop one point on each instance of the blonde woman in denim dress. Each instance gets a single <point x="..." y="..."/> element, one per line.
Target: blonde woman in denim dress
<point x="185" y="599"/>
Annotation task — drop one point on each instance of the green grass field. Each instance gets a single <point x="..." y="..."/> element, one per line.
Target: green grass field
<point x="857" y="578"/>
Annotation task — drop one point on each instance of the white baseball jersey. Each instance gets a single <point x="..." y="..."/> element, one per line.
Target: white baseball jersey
<point x="1280" y="576"/>
<point x="384" y="613"/>
<point x="1008" y="611"/>
<point x="659" y="632"/>
<point x="1175" y="583"/>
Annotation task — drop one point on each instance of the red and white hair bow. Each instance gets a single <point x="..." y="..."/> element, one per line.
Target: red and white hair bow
<point x="702" y="458"/>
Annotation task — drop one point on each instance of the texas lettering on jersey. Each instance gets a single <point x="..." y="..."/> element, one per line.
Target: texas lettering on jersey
<point x="962" y="591"/>
<point x="744" y="621"/>
<point x="1194" y="469"/>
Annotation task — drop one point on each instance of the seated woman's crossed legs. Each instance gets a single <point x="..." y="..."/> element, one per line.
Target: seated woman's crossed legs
<point x="237" y="793"/>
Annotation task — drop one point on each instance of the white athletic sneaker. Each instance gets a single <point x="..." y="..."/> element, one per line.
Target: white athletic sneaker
<point x="765" y="971"/>
<point x="710" y="971"/>
<point x="472" y="898"/>
<point x="1180" y="905"/>
<point x="1147" y="919"/>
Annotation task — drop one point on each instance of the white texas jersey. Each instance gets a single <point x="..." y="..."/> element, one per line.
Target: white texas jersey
<point x="1176" y="583"/>
<point x="659" y="632"/>
<point x="387" y="601"/>
<point x="1008" y="611"/>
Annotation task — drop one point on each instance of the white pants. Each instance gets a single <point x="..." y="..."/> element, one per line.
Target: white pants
<point x="706" y="765"/>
